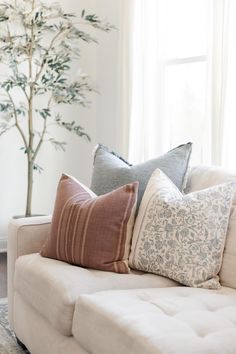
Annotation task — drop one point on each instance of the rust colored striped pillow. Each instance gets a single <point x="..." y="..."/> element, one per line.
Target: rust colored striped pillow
<point x="91" y="231"/>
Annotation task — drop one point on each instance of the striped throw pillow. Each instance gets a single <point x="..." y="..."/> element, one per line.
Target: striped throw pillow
<point x="91" y="231"/>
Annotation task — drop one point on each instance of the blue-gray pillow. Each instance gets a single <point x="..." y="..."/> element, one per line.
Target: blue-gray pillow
<point x="111" y="171"/>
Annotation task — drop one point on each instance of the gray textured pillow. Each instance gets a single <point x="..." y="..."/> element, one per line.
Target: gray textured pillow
<point x="111" y="171"/>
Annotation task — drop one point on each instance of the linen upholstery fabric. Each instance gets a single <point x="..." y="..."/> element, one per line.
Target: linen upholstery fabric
<point x="52" y="287"/>
<point x="111" y="171"/>
<point x="31" y="323"/>
<point x="92" y="231"/>
<point x="25" y="236"/>
<point x="176" y="320"/>
<point x="182" y="237"/>
<point x="38" y="335"/>
<point x="204" y="177"/>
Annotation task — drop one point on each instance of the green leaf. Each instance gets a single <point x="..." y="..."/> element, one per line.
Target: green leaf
<point x="72" y="127"/>
<point x="4" y="127"/>
<point x="7" y="85"/>
<point x="76" y="34"/>
<point x="5" y="107"/>
<point x="44" y="112"/>
<point x="27" y="150"/>
<point x="4" y="18"/>
<point x="75" y="92"/>
<point x="69" y="15"/>
<point x="97" y="23"/>
<point x="58" y="145"/>
<point x="38" y="168"/>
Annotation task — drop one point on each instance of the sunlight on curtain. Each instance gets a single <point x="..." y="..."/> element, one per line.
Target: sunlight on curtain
<point x="228" y="158"/>
<point x="183" y="66"/>
<point x="170" y="78"/>
<point x="147" y="125"/>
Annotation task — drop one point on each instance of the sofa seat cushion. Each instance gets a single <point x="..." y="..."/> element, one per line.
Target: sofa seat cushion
<point x="52" y="287"/>
<point x="157" y="321"/>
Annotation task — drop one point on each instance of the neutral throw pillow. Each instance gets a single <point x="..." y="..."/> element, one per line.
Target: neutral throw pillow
<point x="181" y="236"/>
<point x="92" y="231"/>
<point x="207" y="176"/>
<point x="111" y="171"/>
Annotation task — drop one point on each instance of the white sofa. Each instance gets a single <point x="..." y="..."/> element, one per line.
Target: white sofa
<point x="57" y="308"/>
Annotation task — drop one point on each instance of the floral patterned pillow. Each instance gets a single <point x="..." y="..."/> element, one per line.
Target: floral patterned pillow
<point x="182" y="237"/>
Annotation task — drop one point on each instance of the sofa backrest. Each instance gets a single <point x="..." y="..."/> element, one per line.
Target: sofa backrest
<point x="201" y="177"/>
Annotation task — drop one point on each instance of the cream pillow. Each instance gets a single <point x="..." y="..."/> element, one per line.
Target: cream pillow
<point x="182" y="237"/>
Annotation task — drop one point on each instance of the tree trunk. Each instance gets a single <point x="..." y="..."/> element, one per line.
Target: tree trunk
<point x="28" y="211"/>
<point x="29" y="188"/>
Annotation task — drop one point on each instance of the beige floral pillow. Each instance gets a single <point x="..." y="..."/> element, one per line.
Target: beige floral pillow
<point x="182" y="237"/>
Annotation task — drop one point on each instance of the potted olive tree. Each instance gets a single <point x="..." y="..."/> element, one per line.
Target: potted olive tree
<point x="38" y="44"/>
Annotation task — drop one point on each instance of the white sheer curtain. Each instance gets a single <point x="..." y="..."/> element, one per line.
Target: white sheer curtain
<point x="182" y="73"/>
<point x="146" y="124"/>
<point x="228" y="153"/>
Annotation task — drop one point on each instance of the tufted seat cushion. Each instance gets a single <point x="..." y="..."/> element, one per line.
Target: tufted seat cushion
<point x="52" y="287"/>
<point x="157" y="321"/>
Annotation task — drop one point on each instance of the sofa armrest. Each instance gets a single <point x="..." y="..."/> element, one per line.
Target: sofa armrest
<point x="25" y="236"/>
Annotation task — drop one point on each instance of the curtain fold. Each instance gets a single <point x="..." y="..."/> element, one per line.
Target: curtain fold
<point x="146" y="123"/>
<point x="228" y="156"/>
<point x="125" y="78"/>
<point x="218" y="54"/>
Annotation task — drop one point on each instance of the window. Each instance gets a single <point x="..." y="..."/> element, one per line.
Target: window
<point x="185" y="30"/>
<point x="171" y="76"/>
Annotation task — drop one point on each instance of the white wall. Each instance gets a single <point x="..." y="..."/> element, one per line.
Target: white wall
<point x="101" y="121"/>
<point x="108" y="76"/>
